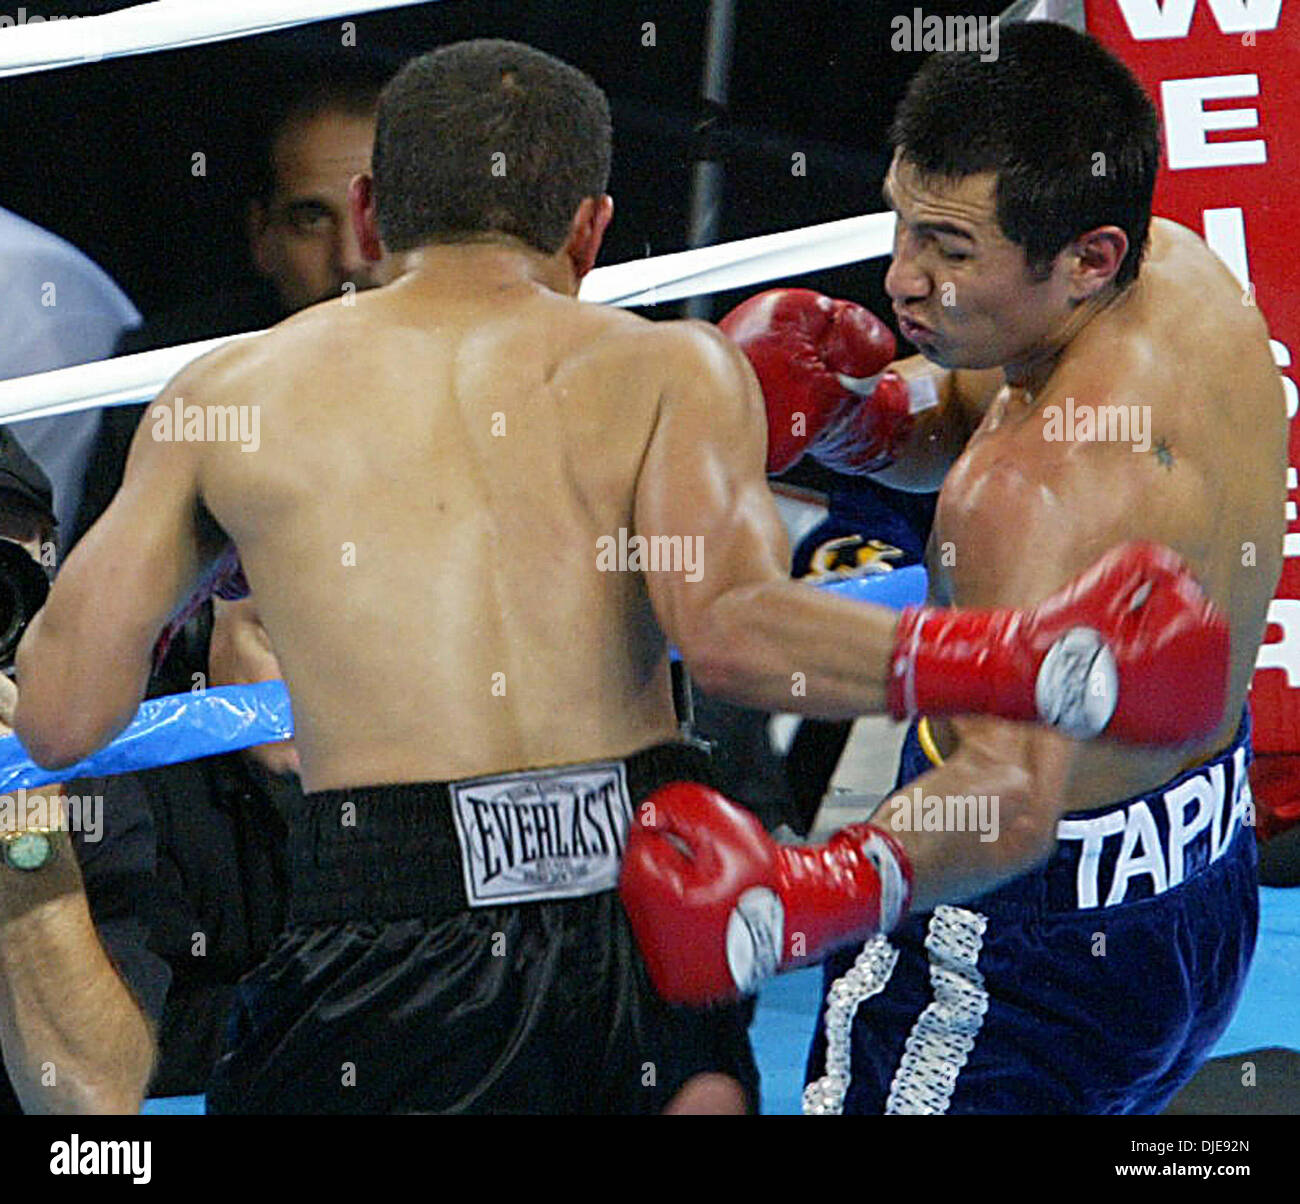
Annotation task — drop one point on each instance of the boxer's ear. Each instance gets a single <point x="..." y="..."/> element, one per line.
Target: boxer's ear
<point x="1095" y="260"/>
<point x="587" y="231"/>
<point x="361" y="212"/>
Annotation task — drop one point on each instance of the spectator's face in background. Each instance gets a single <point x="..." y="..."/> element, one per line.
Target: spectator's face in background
<point x="301" y="239"/>
<point x="240" y="654"/>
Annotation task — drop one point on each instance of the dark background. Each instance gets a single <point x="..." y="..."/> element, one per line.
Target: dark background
<point x="101" y="153"/>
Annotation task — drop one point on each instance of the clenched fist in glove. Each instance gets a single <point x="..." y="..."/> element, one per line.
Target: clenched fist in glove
<point x="717" y="905"/>
<point x="819" y="362"/>
<point x="1131" y="648"/>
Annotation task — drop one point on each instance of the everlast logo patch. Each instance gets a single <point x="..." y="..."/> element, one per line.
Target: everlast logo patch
<point x="547" y="834"/>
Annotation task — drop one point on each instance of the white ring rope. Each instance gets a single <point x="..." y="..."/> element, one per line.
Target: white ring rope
<point x="749" y="261"/>
<point x="739" y="264"/>
<point x="44" y="45"/>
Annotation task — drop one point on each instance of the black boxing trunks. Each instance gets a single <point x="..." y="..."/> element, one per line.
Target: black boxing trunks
<point x="461" y="947"/>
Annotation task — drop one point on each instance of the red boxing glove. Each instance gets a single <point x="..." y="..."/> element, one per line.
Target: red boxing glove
<point x="800" y="345"/>
<point x="1131" y="648"/>
<point x="713" y="921"/>
<point x="868" y="435"/>
<point x="224" y="578"/>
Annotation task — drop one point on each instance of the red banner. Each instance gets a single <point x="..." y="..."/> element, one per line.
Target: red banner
<point x="1226" y="77"/>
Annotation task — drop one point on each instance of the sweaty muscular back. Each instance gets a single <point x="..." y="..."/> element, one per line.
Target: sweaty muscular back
<point x="421" y="524"/>
<point x="1196" y="460"/>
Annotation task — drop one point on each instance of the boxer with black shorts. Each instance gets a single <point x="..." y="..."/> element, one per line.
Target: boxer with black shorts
<point x="449" y="466"/>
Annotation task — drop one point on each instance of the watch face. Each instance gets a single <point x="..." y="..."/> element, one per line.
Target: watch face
<point x="29" y="851"/>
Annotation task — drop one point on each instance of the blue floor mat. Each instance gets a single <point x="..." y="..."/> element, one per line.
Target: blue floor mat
<point x="1269" y="1012"/>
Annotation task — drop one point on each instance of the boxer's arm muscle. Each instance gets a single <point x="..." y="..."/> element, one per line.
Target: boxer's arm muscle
<point x="744" y="629"/>
<point x="1066" y="516"/>
<point x="1023" y="774"/>
<point x="84" y="662"/>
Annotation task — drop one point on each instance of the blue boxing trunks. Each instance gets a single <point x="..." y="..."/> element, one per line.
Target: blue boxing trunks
<point x="461" y="947"/>
<point x="1096" y="984"/>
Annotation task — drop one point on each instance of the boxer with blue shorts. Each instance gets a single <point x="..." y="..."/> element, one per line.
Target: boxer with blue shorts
<point x="1089" y="373"/>
<point x="1096" y="984"/>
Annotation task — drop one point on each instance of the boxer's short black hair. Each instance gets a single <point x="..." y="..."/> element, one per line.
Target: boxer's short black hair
<point x="488" y="137"/>
<point x="1073" y="138"/>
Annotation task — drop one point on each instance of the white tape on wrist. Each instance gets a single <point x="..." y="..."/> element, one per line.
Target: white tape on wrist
<point x="922" y="393"/>
<point x="894" y="891"/>
<point x="755" y="938"/>
<point x="909" y="664"/>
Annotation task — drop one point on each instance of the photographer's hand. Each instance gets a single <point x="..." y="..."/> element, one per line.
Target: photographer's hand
<point x="72" y="1038"/>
